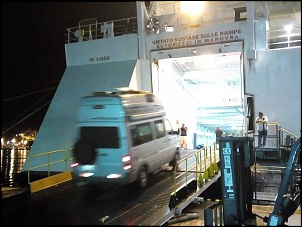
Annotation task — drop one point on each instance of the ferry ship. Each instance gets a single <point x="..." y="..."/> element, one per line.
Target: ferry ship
<point x="216" y="69"/>
<point x="204" y="68"/>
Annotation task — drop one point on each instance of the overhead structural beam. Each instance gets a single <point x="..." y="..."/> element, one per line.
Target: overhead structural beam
<point x="141" y="28"/>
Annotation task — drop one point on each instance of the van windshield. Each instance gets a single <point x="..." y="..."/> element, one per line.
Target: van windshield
<point x="100" y="137"/>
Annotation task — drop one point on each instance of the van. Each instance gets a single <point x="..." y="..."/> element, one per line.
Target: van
<point x="123" y="136"/>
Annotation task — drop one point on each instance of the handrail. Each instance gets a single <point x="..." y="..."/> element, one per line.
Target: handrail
<point x="90" y="31"/>
<point x="201" y="166"/>
<point x="279" y="134"/>
<point x="290" y="133"/>
<point x="93" y="28"/>
<point x="283" y="129"/>
<point x="70" y="157"/>
<point x="49" y="163"/>
<point x="185" y="172"/>
<point x="212" y="157"/>
<point x="278" y="150"/>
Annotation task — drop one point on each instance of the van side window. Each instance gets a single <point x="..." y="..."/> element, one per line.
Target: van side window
<point x="160" y="129"/>
<point x="141" y="134"/>
<point x="136" y="140"/>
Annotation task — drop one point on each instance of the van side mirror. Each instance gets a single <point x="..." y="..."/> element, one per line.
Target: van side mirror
<point x="173" y="132"/>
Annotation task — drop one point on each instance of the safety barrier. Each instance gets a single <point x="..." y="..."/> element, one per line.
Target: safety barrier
<point x="278" y="143"/>
<point x="203" y="166"/>
<point x="277" y="136"/>
<point x="266" y="182"/>
<point x="90" y="29"/>
<point x="207" y="162"/>
<point x="51" y="179"/>
<point x="267" y="174"/>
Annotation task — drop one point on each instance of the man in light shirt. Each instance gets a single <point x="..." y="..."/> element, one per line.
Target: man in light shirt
<point x="261" y="126"/>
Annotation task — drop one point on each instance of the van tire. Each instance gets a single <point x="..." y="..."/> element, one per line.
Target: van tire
<point x="84" y="152"/>
<point x="176" y="158"/>
<point x="142" y="179"/>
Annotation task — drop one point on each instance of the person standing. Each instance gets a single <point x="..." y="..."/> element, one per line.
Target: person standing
<point x="178" y="127"/>
<point x="261" y="126"/>
<point x="218" y="133"/>
<point x="183" y="136"/>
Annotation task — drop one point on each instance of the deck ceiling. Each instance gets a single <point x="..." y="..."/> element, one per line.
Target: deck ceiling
<point x="220" y="78"/>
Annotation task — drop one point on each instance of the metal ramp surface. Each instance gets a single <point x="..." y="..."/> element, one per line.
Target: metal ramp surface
<point x="152" y="208"/>
<point x="118" y="205"/>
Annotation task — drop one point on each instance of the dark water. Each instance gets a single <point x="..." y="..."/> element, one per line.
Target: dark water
<point x="12" y="161"/>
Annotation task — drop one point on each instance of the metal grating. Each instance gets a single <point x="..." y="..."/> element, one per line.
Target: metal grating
<point x="147" y="206"/>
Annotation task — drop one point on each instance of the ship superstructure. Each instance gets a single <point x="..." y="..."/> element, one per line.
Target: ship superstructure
<point x="203" y="68"/>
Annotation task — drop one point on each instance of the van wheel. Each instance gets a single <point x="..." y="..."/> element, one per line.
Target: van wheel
<point x="175" y="159"/>
<point x="142" y="177"/>
<point x="84" y="152"/>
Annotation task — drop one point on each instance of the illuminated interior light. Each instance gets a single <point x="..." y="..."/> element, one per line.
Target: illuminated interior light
<point x="192" y="8"/>
<point x="288" y="28"/>
<point x="169" y="28"/>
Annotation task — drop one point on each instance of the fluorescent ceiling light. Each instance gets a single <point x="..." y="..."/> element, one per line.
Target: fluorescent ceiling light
<point x="193" y="8"/>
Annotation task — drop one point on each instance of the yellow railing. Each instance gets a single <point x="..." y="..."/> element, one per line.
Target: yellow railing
<point x="277" y="136"/>
<point x="204" y="166"/>
<point x="288" y="138"/>
<point x="187" y="170"/>
<point x="207" y="162"/>
<point x="48" y="163"/>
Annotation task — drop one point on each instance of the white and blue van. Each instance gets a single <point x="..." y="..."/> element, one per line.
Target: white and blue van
<point x="122" y="137"/>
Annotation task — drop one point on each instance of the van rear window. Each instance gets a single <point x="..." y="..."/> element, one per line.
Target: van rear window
<point x="101" y="137"/>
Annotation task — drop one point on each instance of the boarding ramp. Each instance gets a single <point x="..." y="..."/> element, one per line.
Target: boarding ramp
<point x="58" y="129"/>
<point x="47" y="179"/>
<point x="194" y="174"/>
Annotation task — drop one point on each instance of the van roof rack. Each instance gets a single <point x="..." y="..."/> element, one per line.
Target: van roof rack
<point x="120" y="91"/>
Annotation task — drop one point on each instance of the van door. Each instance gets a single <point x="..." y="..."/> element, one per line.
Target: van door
<point x="164" y="142"/>
<point x="109" y="142"/>
<point x="143" y="149"/>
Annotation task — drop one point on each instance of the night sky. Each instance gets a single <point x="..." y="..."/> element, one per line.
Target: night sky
<point x="33" y="54"/>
